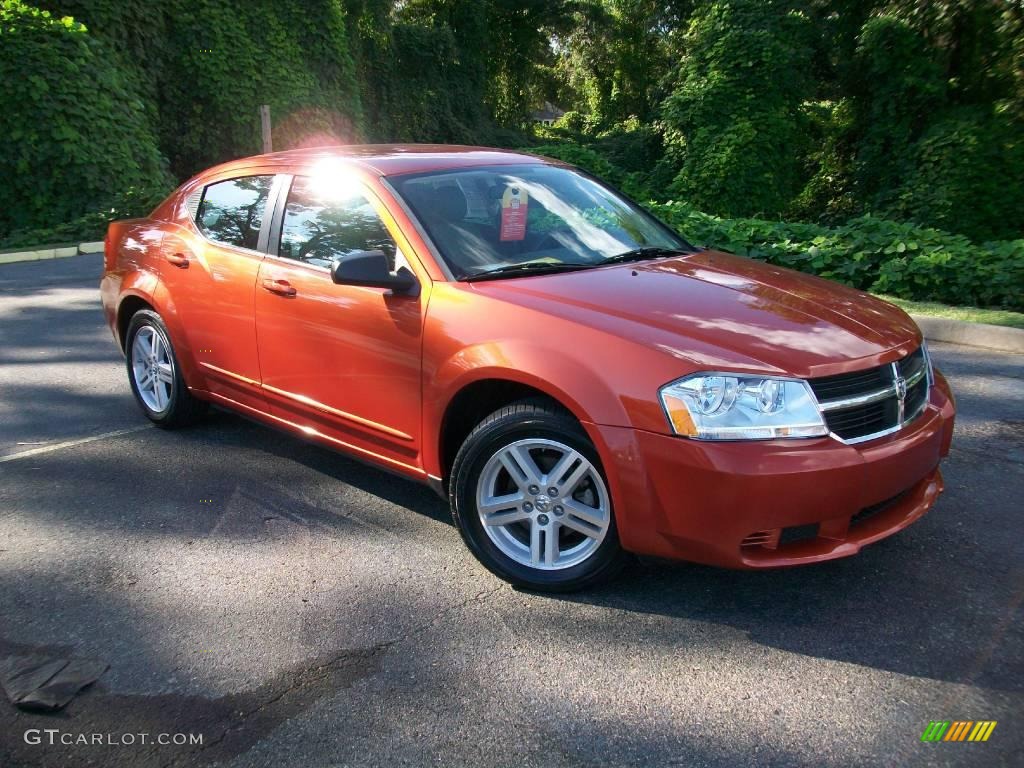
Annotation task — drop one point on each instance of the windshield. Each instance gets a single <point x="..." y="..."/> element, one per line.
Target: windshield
<point x="497" y="218"/>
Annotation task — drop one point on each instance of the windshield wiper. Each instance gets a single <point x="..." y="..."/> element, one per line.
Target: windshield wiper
<point x="547" y="267"/>
<point x="640" y="254"/>
<point x="530" y="268"/>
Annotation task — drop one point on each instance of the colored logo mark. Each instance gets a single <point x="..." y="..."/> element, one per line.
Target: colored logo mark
<point x="958" y="730"/>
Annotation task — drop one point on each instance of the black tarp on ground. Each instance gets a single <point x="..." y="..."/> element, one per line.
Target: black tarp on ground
<point x="46" y="683"/>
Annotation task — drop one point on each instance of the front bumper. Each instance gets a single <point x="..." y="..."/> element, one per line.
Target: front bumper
<point x="773" y="503"/>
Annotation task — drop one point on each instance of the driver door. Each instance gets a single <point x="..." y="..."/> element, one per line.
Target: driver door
<point x="343" y="362"/>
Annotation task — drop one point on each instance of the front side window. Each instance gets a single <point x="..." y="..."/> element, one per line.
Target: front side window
<point x="325" y="221"/>
<point x="232" y="211"/>
<point x="485" y="220"/>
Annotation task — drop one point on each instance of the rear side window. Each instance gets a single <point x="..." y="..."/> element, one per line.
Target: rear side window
<point x="232" y="211"/>
<point x="322" y="225"/>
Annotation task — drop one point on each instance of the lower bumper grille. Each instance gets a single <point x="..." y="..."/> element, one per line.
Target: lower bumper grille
<point x="876" y="509"/>
<point x="775" y="538"/>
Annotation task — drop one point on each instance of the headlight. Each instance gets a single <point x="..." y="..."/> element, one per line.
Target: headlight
<point x="714" y="406"/>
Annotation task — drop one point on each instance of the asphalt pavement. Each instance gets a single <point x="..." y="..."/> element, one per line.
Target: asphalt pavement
<point x="292" y="607"/>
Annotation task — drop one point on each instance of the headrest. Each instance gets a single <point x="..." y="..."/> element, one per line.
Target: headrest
<point x="449" y="203"/>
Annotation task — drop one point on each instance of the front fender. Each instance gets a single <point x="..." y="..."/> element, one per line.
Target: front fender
<point x="568" y="380"/>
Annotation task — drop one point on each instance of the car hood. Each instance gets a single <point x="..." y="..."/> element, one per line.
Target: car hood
<point x="719" y="310"/>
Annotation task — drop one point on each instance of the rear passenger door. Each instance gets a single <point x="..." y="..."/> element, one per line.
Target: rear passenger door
<point x="212" y="276"/>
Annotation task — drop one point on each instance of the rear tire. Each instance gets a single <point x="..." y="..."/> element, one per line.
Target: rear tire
<point x="155" y="376"/>
<point x="531" y="501"/>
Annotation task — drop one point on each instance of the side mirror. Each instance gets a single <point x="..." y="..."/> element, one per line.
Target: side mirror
<point x="371" y="269"/>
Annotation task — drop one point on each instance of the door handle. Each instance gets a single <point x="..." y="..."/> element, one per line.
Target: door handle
<point x="177" y="259"/>
<point x="280" y="287"/>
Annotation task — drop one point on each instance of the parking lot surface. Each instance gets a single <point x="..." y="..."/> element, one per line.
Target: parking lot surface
<point x="296" y="608"/>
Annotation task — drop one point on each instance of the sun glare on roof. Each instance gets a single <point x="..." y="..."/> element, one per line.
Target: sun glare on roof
<point x="333" y="179"/>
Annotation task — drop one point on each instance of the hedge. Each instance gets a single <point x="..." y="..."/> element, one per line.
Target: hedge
<point x="869" y="253"/>
<point x="89" y="226"/>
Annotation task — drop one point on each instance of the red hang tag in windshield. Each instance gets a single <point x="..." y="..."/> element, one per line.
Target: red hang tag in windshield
<point x="513" y="214"/>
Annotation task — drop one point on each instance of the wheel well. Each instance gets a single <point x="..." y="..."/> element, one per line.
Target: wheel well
<point x="472" y="404"/>
<point x="128" y="307"/>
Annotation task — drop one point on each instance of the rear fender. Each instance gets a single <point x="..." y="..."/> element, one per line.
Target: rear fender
<point x="145" y="284"/>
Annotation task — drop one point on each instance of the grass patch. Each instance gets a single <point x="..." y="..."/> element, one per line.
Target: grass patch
<point x="971" y="314"/>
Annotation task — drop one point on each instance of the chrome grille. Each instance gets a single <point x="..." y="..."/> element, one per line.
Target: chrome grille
<point x="867" y="404"/>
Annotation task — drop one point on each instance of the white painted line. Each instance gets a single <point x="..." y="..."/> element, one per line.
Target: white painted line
<point x="73" y="443"/>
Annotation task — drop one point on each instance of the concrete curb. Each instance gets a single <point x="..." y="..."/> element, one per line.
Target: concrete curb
<point x="972" y="334"/>
<point x="58" y="252"/>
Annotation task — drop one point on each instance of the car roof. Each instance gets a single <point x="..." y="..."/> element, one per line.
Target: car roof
<point x="392" y="159"/>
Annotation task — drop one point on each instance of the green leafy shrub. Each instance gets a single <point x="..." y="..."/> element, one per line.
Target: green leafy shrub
<point x="587" y="159"/>
<point x="874" y="254"/>
<point x="133" y="33"/>
<point x="91" y="226"/>
<point x="74" y="129"/>
<point x="575" y="121"/>
<point x="987" y="275"/>
<point x="630" y="145"/>
<point x="204" y="67"/>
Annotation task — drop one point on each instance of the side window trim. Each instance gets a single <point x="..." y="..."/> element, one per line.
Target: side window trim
<point x="273" y="243"/>
<point x="276" y="201"/>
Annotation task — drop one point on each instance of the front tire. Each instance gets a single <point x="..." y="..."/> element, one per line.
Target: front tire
<point x="155" y="375"/>
<point x="531" y="500"/>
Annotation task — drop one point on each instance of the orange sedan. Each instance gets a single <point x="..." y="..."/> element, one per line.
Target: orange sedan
<point x="578" y="380"/>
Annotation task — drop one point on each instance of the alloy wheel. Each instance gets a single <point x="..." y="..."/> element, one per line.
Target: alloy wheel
<point x="543" y="504"/>
<point x="152" y="369"/>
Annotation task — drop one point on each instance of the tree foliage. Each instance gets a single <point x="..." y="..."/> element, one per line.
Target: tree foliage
<point x="203" y="68"/>
<point x="225" y="59"/>
<point x="735" y="118"/>
<point x="72" y="121"/>
<point x="816" y="109"/>
<point x="813" y="110"/>
<point x="421" y="76"/>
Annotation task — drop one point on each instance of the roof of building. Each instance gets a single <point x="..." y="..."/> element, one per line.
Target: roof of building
<point x="548" y="112"/>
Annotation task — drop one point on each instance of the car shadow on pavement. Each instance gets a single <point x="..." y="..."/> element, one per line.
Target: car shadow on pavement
<point x="937" y="600"/>
<point x="929" y="602"/>
<point x="231" y="429"/>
